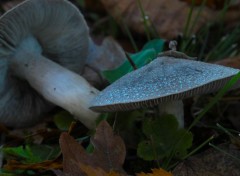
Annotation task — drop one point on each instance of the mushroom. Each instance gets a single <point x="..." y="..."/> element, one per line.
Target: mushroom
<point x="164" y="82"/>
<point x="44" y="45"/>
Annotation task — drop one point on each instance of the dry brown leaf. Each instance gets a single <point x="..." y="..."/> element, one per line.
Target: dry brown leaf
<point x="212" y="163"/>
<point x="13" y="165"/>
<point x="93" y="5"/>
<point x="233" y="62"/>
<point x="109" y="152"/>
<point x="88" y="171"/>
<point x="168" y="16"/>
<point x="215" y="4"/>
<point x="156" y="172"/>
<point x="109" y="148"/>
<point x="233" y="14"/>
<point x="110" y="55"/>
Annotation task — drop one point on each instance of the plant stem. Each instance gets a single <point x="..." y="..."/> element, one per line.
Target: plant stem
<point x="145" y="20"/>
<point x="223" y="151"/>
<point x="219" y="95"/>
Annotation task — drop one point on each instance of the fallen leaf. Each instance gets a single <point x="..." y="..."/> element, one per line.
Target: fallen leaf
<point x="211" y="162"/>
<point x="233" y="62"/>
<point x="108" y="55"/>
<point x="156" y="172"/>
<point x="88" y="170"/>
<point x="34" y="133"/>
<point x="168" y="17"/>
<point x="13" y="165"/>
<point x="109" y="152"/>
<point x="93" y="5"/>
<point x="233" y="14"/>
<point x="109" y="149"/>
<point x="215" y="4"/>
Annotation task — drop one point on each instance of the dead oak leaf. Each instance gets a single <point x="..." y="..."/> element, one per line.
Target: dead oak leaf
<point x="13" y="165"/>
<point x="168" y="17"/>
<point x="233" y="62"/>
<point x="214" y="4"/>
<point x="87" y="170"/>
<point x="109" y="152"/>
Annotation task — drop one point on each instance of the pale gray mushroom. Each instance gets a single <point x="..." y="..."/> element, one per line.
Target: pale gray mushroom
<point x="164" y="82"/>
<point x="44" y="45"/>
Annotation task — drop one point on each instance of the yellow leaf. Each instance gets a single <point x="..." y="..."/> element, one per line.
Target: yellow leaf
<point x="114" y="174"/>
<point x="156" y="172"/>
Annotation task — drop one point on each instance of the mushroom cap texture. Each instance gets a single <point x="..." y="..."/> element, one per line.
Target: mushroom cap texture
<point x="61" y="31"/>
<point x="164" y="79"/>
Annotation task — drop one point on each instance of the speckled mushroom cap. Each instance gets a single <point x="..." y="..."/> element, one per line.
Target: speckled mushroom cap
<point x="164" y="79"/>
<point x="63" y="35"/>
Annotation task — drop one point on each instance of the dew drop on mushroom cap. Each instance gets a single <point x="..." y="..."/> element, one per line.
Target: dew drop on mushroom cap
<point x="32" y="31"/>
<point x="165" y="79"/>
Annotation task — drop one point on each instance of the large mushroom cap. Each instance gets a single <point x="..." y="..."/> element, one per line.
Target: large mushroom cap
<point x="164" y="79"/>
<point x="57" y="25"/>
<point x="63" y="36"/>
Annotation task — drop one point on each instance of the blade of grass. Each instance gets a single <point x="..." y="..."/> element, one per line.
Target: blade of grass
<point x="214" y="127"/>
<point x="223" y="151"/>
<point x="133" y="65"/>
<point x="219" y="95"/>
<point x="199" y="147"/>
<point x="204" y="42"/>
<point x="193" y="151"/>
<point x="232" y="137"/>
<point x="224" y="45"/>
<point x="189" y="27"/>
<point x="225" y="130"/>
<point x="222" y="14"/>
<point x="145" y="20"/>
<point x="129" y="34"/>
<point x="200" y="9"/>
<point x="186" y="28"/>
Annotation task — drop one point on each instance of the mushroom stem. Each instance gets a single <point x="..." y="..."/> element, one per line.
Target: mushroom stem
<point x="175" y="108"/>
<point x="56" y="84"/>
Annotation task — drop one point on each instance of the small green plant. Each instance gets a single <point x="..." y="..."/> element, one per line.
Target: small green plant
<point x="148" y="53"/>
<point x="30" y="154"/>
<point x="164" y="140"/>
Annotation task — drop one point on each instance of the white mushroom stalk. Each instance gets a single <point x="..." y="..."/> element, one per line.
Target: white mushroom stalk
<point x="44" y="46"/>
<point x="55" y="83"/>
<point x="176" y="108"/>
